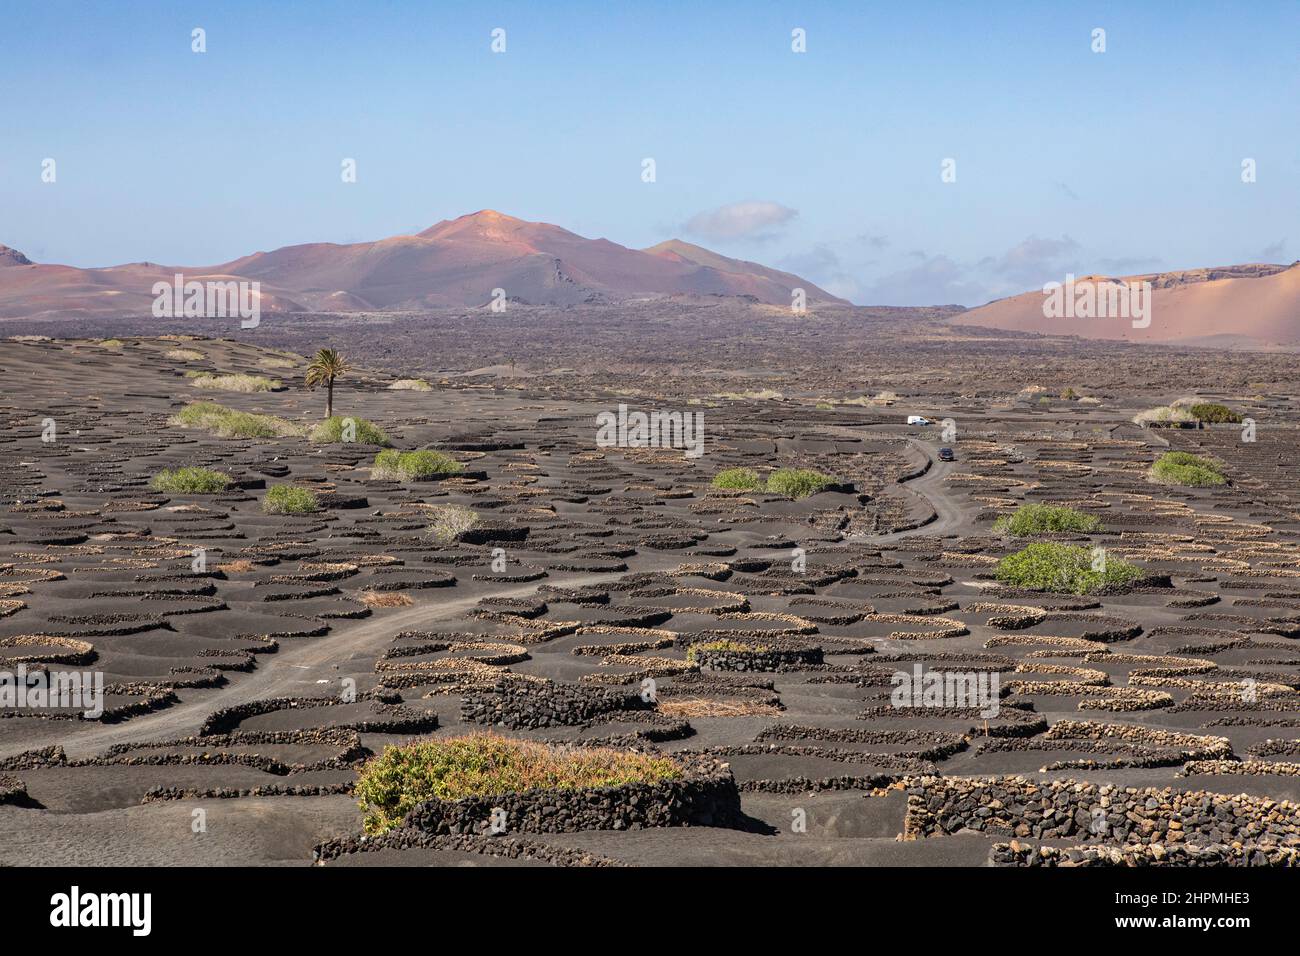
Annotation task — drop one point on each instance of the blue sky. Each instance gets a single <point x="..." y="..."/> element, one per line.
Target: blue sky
<point x="1066" y="159"/>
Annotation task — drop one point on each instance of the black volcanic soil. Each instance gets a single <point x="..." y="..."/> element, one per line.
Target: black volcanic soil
<point x="229" y="685"/>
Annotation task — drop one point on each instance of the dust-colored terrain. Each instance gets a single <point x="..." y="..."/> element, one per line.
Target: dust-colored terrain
<point x="593" y="569"/>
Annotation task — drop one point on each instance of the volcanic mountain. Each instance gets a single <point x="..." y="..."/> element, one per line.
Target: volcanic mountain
<point x="456" y="263"/>
<point x="1245" y="306"/>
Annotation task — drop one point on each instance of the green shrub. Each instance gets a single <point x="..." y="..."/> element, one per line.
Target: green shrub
<point x="1213" y="413"/>
<point x="333" y="429"/>
<point x="394" y="465"/>
<point x="485" y="765"/>
<point x="1192" y="471"/>
<point x="289" y="500"/>
<point x="738" y="479"/>
<point x="228" y="423"/>
<point x="1063" y="568"/>
<point x="1036" y="519"/>
<point x="190" y="481"/>
<point x="798" y="482"/>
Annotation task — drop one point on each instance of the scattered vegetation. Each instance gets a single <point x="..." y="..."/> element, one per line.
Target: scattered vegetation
<point x="1212" y="413"/>
<point x="1165" y="415"/>
<point x="798" y="482"/>
<point x="412" y="385"/>
<point x="1036" y="519"/>
<point x="111" y="343"/>
<point x="723" y="645"/>
<point x="229" y="423"/>
<point x="289" y="500"/>
<point x="338" y="428"/>
<point x="689" y="707"/>
<point x="1191" y="471"/>
<point x="791" y="482"/>
<point x="393" y="465"/>
<point x="183" y="355"/>
<point x="325" y="368"/>
<point x="482" y="765"/>
<point x="759" y="395"/>
<point x="237" y="382"/>
<point x="1064" y="568"/>
<point x="383" y="599"/>
<point x="190" y="481"/>
<point x="738" y="479"/>
<point x="451" y="521"/>
<point x="825" y="407"/>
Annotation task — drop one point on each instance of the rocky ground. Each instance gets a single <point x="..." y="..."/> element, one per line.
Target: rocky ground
<point x="252" y="688"/>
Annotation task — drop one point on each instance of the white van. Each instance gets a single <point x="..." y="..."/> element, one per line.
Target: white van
<point x="917" y="420"/>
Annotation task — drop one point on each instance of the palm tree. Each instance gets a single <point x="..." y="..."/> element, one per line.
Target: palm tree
<point x="325" y="367"/>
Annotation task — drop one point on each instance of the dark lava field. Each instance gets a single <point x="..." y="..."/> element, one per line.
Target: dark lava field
<point x="253" y="662"/>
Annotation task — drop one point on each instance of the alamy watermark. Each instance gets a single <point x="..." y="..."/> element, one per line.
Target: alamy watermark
<point x="657" y="429"/>
<point x="1090" y="299"/>
<point x="213" y="299"/>
<point x="62" y="690"/>
<point x="935" y="688"/>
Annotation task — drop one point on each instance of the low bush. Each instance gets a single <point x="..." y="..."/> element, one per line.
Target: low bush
<point x="451" y="521"/>
<point x="738" y="479"/>
<point x="1213" y="413"/>
<point x="289" y="500"/>
<point x="234" y="382"/>
<point x="190" y="481"/>
<point x="412" y="385"/>
<point x="1063" y="568"/>
<point x="1164" y="415"/>
<point x="1036" y="519"/>
<point x="341" y="428"/>
<point x="228" y="423"/>
<point x="798" y="482"/>
<point x="394" y="465"/>
<point x="481" y="765"/>
<point x="1188" y="470"/>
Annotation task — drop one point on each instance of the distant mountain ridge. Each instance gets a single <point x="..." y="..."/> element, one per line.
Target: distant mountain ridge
<point x="455" y="263"/>
<point x="1255" y="305"/>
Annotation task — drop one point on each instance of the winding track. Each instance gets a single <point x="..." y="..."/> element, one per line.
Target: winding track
<point x="287" y="672"/>
<point x="298" y="666"/>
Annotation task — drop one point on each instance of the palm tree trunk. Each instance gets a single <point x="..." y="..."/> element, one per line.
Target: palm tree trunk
<point x="329" y="399"/>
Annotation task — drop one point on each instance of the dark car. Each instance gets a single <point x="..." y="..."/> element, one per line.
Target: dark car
<point x="946" y="454"/>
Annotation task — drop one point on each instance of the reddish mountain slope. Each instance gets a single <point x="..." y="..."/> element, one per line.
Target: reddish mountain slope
<point x="454" y="263"/>
<point x="1236" y="306"/>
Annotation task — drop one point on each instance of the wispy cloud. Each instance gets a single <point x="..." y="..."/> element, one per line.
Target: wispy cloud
<point x="753" y="219"/>
<point x="1034" y="261"/>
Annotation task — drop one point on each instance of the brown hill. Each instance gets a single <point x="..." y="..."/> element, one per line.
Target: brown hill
<point x="456" y="263"/>
<point x="1246" y="306"/>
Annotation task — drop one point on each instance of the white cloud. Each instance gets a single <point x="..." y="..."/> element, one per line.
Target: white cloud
<point x="753" y="219"/>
